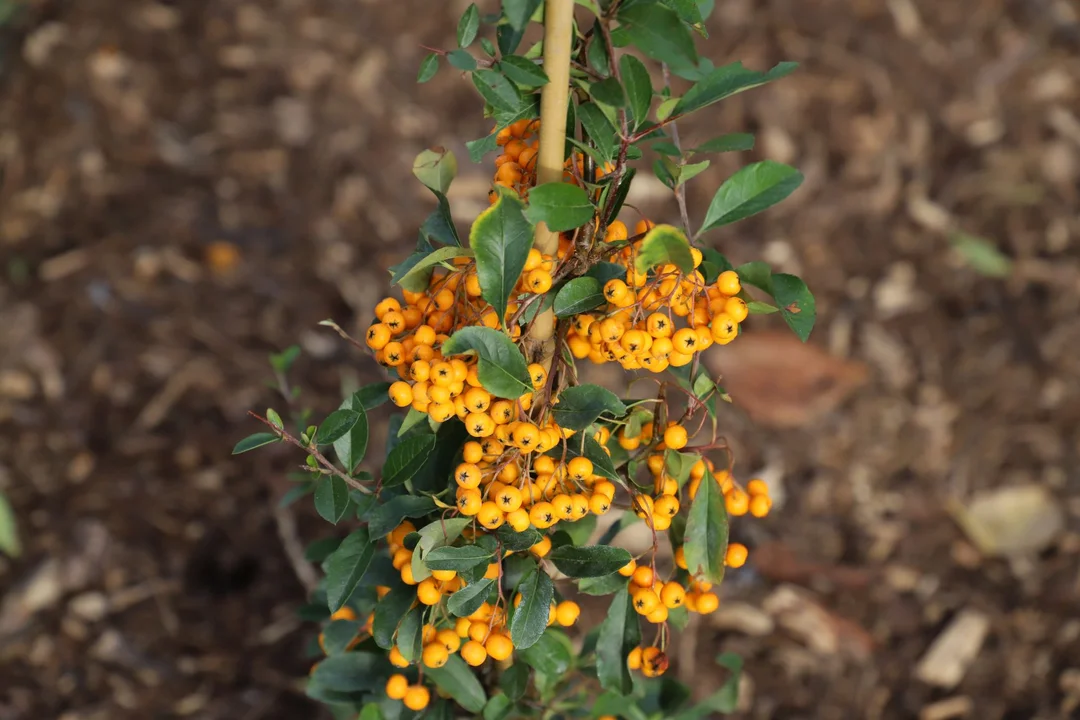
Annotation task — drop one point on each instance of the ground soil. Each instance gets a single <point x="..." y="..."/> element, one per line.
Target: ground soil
<point x="136" y="139"/>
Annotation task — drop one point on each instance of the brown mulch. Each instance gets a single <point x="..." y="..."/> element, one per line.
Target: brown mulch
<point x="141" y="147"/>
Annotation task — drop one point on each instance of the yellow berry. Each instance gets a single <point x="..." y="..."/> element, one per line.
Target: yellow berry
<point x="566" y="613"/>
<point x="417" y="698"/>
<point x="435" y="655"/>
<point x="473" y="653"/>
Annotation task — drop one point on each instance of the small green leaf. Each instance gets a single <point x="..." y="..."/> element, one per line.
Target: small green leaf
<point x="678" y="465"/>
<point x="583" y="562"/>
<point x="336" y="425"/>
<point x="756" y="273"/>
<point x="345" y="568"/>
<point x="664" y="244"/>
<point x="502" y="368"/>
<point x="274" y="418"/>
<point x="438" y="534"/>
<point x="318" y="551"/>
<point x="797" y="305"/>
<point x="501" y="237"/>
<point x="479" y="148"/>
<point x="665" y="109"/>
<point x="519" y="12"/>
<point x="435" y="168"/>
<point x="981" y="255"/>
<point x="726" y="81"/>
<point x="416" y="277"/>
<point x="457" y="558"/>
<point x="658" y="32"/>
<point x="597" y="53"/>
<point x="459" y="681"/>
<point x="690" y="171"/>
<point x="428" y="67"/>
<point x="577" y="296"/>
<point x="514" y="680"/>
<point x="331" y="498"/>
<point x="621" y="193"/>
<point x="389" y="612"/>
<point x="609" y="92"/>
<point x="351" y="446"/>
<point x="412" y="418"/>
<point x="599" y="129"/>
<point x="515" y="541"/>
<point x="749" y="191"/>
<point x="488" y="47"/>
<point x="283" y="361"/>
<point x="756" y="307"/>
<point x="603" y="585"/>
<point x="497" y="90"/>
<point x="468" y="599"/>
<point x="410" y="634"/>
<point x="405" y="459"/>
<point x="371" y="712"/>
<point x="707" y="532"/>
<point x="732" y="142"/>
<point x="579" y="406"/>
<point x="523" y="71"/>
<point x="9" y="532"/>
<point x="254" y="441"/>
<point x="531" y="616"/>
<point x="639" y="90"/>
<point x="384" y="518"/>
<point x="619" y="634"/>
<point x="462" y="60"/>
<point x="467" y="26"/>
<point x="561" y="205"/>
<point x="498" y="707"/>
<point x="550" y="655"/>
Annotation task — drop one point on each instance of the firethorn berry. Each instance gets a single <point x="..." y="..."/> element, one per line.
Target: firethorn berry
<point x="397" y="659"/>
<point x="633" y="660"/>
<point x="417" y="698"/>
<point x="435" y="655"/>
<point x="760" y="505"/>
<point x="736" y="555"/>
<point x="490" y="516"/>
<point x="706" y="603"/>
<point x="499" y="646"/>
<point x="675" y="437"/>
<point x="654" y="662"/>
<point x="397" y="686"/>
<point x="474" y="653"/>
<point x="428" y="592"/>
<point x="645" y="601"/>
<point x="643" y="576"/>
<point x="566" y="613"/>
<point x="728" y="283"/>
<point x="628" y="569"/>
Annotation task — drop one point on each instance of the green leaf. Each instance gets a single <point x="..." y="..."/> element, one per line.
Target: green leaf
<point x="405" y="459"/>
<point x="428" y="67"/>
<point x="352" y="445"/>
<point x="749" y="191"/>
<point x="531" y="616"/>
<point x="659" y="33"/>
<point x="415" y="278"/>
<point x="468" y="599"/>
<point x="9" y="532"/>
<point x="583" y="562"/>
<point x="462" y="60"/>
<point x="371" y="712"/>
<point x="488" y="47"/>
<point x="981" y="255"/>
<point x="384" y="518"/>
<point x="274" y="418"/>
<point x="435" y="168"/>
<point x="501" y="237"/>
<point x="599" y="129"/>
<point x="467" y="26"/>
<point x="597" y="53"/>
<point x="561" y="205"/>
<point x="338" y="635"/>
<point x="577" y="296"/>
<point x="664" y="244"/>
<point x="331" y="498"/>
<point x="756" y="307"/>
<point x="254" y="441"/>
<point x="318" y="551"/>
<point x="691" y="170"/>
<point x="410" y="634"/>
<point x="412" y="418"/>
<point x="459" y="681"/>
<point x="498" y="707"/>
<point x="352" y="672"/>
<point x="725" y="700"/>
<point x="621" y="193"/>
<point x="345" y="568"/>
<point x="609" y="92"/>
<point x="638" y="86"/>
<point x="371" y="396"/>
<point x="797" y="305"/>
<point x="707" y="532"/>
<point x="439" y="225"/>
<point x="496" y="90"/>
<point x="519" y="12"/>
<point x="515" y="541"/>
<point x="756" y="273"/>
<point x="619" y="634"/>
<point x="523" y="71"/>
<point x="550" y="655"/>
<point x="726" y="81"/>
<point x="389" y="611"/>
<point x="514" y="680"/>
<point x="479" y="148"/>
<point x="678" y="465"/>
<point x="579" y="406"/>
<point x="457" y="558"/>
<point x="613" y="703"/>
<point x="665" y="109"/>
<point x="579" y="531"/>
<point x="731" y="142"/>
<point x="437" y="534"/>
<point x="603" y="585"/>
<point x="502" y="368"/>
<point x="604" y="271"/>
<point x="283" y="361"/>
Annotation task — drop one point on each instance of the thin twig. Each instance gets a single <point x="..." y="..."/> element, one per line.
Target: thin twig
<point x="312" y="450"/>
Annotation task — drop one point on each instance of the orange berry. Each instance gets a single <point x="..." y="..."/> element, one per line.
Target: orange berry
<point x="645" y="601"/>
<point x="435" y="655"/>
<point x="673" y="595"/>
<point x="706" y="603"/>
<point x="417" y="698"/>
<point x="566" y="613"/>
<point x="736" y="555"/>
<point x="628" y="569"/>
<point x="633" y="660"/>
<point x="760" y="505"/>
<point x="499" y="646"/>
<point x="675" y="437"/>
<point x="397" y="686"/>
<point x="490" y="516"/>
<point x="737" y="502"/>
<point x="728" y="283"/>
<point x="473" y="653"/>
<point x="643" y="576"/>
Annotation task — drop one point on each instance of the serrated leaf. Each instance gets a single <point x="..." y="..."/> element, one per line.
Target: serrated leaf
<point x="352" y="445"/>
<point x="468" y="25"/>
<point x="468" y="599"/>
<point x="638" y="87"/>
<point x="583" y="562"/>
<point x="749" y="191"/>
<point x="405" y="459"/>
<point x="579" y="406"/>
<point x="561" y="205"/>
<point x="9" y="531"/>
<point x="497" y="90"/>
<point x="619" y="634"/>
<point x="416" y="277"/>
<point x="726" y="81"/>
<point x="599" y="129"/>
<point x="331" y="498"/>
<point x="428" y="67"/>
<point x="345" y="568"/>
<point x="797" y="305"/>
<point x="459" y="681"/>
<point x="609" y="92"/>
<point x="519" y="12"/>
<point x="435" y="168"/>
<point x="706" y="538"/>
<point x="384" y="518"/>
<point x="457" y="558"/>
<point x="389" y="611"/>
<point x="659" y="33"/>
<point x="731" y="142"/>
<point x="252" y="442"/>
<point x="664" y="244"/>
<point x="501" y="238"/>
<point x="502" y="368"/>
<point x="523" y="71"/>
<point x="577" y="296"/>
<point x="531" y="616"/>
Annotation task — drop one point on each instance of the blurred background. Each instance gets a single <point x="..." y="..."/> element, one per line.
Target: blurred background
<point x="188" y="186"/>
